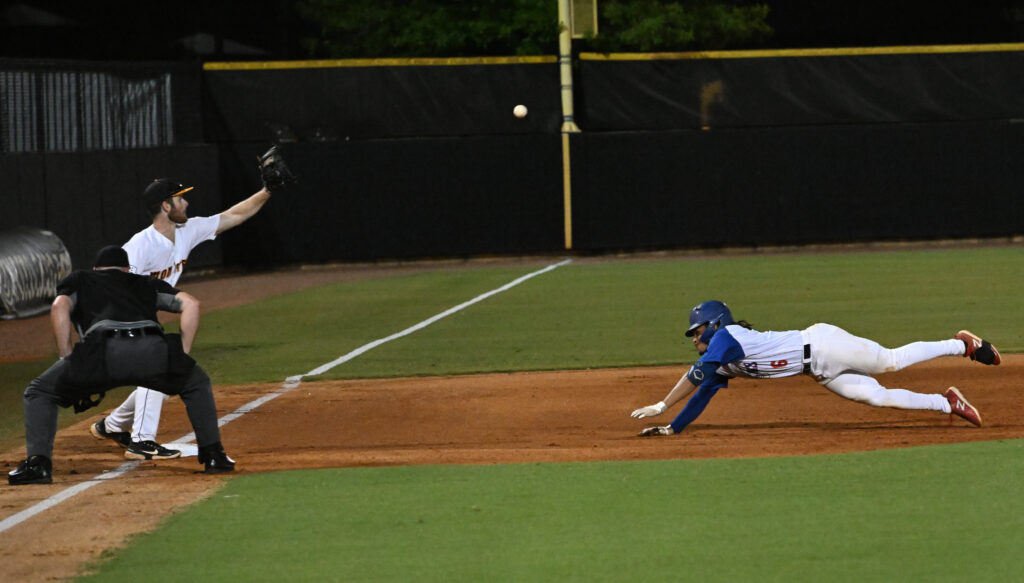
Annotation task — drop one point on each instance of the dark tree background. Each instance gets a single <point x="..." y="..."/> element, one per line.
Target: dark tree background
<point x="301" y="29"/>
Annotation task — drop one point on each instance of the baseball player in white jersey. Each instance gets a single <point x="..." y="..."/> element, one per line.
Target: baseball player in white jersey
<point x="835" y="358"/>
<point x="161" y="251"/>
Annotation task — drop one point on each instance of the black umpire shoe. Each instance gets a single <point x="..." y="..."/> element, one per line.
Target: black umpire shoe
<point x="99" y="431"/>
<point x="215" y="460"/>
<point x="36" y="469"/>
<point x="149" y="450"/>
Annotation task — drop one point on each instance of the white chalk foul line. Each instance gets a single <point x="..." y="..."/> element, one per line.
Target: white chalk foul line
<point x="289" y="384"/>
<point x="366" y="348"/>
<point x="15" y="519"/>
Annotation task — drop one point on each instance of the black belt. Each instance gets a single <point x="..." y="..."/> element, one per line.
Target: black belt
<point x="133" y="332"/>
<point x="807" y="359"/>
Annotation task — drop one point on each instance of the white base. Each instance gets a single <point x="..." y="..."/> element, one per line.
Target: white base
<point x="187" y="449"/>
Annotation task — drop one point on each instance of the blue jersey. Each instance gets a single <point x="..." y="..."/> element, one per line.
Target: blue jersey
<point x="759" y="355"/>
<point x="735" y="351"/>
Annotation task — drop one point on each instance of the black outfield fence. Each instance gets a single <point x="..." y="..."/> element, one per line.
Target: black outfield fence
<point x="744" y="89"/>
<point x="767" y="186"/>
<point x="404" y="198"/>
<point x="316" y="101"/>
<point x="92" y="199"/>
<point x="423" y="158"/>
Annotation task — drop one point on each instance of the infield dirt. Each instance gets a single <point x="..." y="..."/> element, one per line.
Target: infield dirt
<point x="475" y="419"/>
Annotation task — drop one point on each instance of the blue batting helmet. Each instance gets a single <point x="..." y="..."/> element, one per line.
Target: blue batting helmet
<point x="710" y="312"/>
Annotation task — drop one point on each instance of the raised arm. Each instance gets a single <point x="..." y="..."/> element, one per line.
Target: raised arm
<point x="243" y="211"/>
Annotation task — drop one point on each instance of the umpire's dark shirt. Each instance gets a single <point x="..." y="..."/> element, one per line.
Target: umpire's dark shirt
<point x="112" y="294"/>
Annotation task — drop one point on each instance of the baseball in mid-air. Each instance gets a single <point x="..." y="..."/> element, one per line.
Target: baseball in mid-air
<point x="519" y="111"/>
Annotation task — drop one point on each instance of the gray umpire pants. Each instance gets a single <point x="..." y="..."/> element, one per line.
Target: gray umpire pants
<point x="129" y="361"/>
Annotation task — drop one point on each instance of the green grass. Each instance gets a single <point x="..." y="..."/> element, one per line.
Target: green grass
<point x="13" y="380"/>
<point x="624" y="313"/>
<point x="295" y="333"/>
<point x="950" y="513"/>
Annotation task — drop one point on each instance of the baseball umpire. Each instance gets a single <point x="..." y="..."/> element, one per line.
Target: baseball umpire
<point x="115" y="315"/>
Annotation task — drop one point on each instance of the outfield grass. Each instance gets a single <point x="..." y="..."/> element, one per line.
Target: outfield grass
<point x="949" y="513"/>
<point x="624" y="313"/>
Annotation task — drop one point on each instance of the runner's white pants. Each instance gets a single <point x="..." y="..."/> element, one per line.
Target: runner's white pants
<point x="139" y="414"/>
<point x="843" y="362"/>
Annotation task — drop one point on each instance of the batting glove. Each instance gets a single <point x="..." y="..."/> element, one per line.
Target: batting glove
<point x="649" y="411"/>
<point x="656" y="431"/>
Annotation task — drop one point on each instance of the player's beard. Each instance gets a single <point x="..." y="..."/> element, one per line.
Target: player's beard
<point x="177" y="215"/>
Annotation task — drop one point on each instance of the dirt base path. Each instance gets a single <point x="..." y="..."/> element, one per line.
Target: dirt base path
<point x="476" y="419"/>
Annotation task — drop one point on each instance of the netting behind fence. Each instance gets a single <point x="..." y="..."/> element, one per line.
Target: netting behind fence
<point x="75" y="107"/>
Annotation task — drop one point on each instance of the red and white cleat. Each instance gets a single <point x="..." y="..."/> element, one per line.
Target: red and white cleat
<point x="961" y="407"/>
<point x="978" y="349"/>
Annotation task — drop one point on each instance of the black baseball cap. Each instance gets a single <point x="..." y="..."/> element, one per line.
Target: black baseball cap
<point x="161" y="189"/>
<point x="111" y="256"/>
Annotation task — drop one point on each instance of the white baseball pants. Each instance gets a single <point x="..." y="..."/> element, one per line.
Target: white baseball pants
<point x="843" y="362"/>
<point x="140" y="414"/>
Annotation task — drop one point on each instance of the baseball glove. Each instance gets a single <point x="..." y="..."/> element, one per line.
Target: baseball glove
<point x="273" y="170"/>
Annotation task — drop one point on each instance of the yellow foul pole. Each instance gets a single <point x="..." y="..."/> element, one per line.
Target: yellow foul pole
<point x="568" y="123"/>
